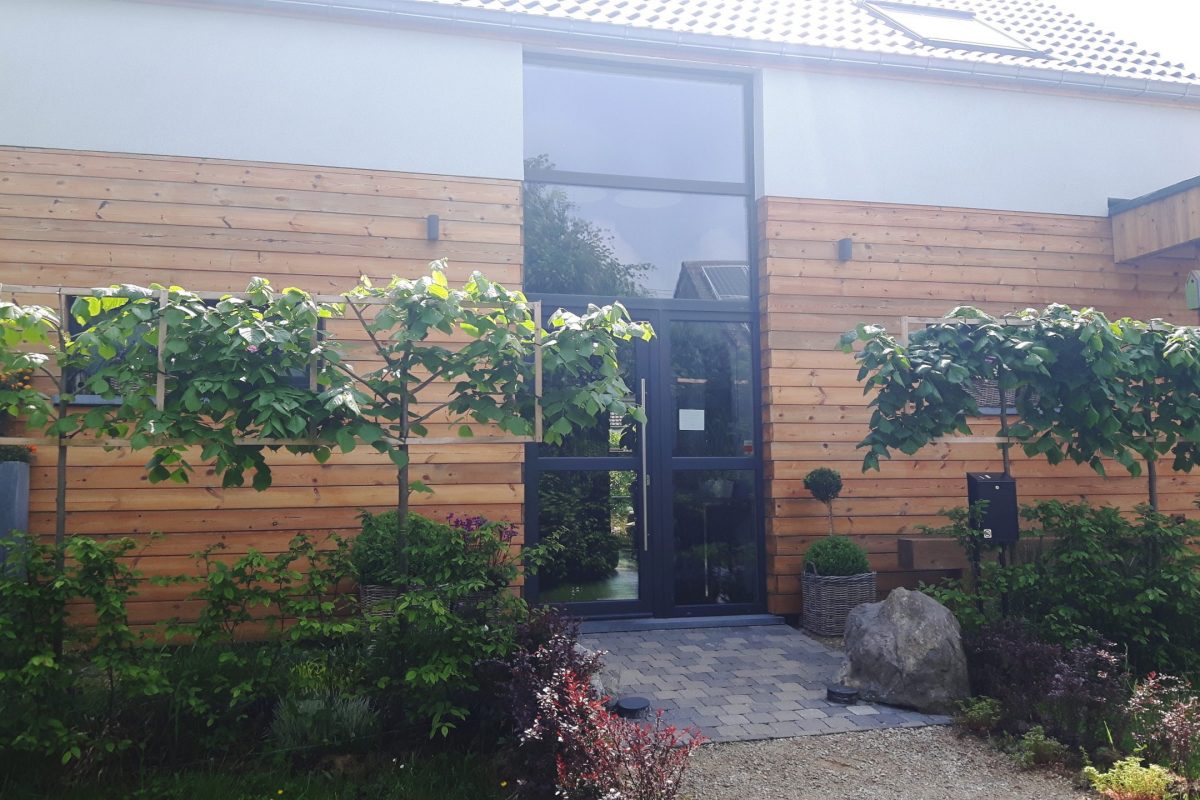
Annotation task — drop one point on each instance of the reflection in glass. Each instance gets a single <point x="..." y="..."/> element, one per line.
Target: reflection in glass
<point x="716" y="550"/>
<point x="650" y="126"/>
<point x="590" y="516"/>
<point x="608" y="243"/>
<point x="712" y="386"/>
<point x="609" y="434"/>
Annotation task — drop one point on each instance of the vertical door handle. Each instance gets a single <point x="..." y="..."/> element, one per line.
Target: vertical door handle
<point x="645" y="473"/>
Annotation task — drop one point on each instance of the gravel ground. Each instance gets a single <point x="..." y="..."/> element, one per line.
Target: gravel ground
<point x="896" y="764"/>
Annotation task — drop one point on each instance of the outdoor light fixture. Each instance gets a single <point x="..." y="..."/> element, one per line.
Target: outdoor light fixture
<point x="845" y="249"/>
<point x="841" y="694"/>
<point x="632" y="707"/>
<point x="432" y="227"/>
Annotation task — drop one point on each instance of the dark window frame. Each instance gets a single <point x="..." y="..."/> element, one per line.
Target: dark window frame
<point x="744" y="188"/>
<point x="71" y="375"/>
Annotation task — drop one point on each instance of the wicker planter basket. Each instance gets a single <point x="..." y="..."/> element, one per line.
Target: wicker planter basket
<point x="374" y="600"/>
<point x="829" y="598"/>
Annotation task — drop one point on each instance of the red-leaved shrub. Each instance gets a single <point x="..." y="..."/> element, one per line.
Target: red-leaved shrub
<point x="601" y="756"/>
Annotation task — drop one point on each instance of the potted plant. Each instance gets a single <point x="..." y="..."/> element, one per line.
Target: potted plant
<point x="377" y="555"/>
<point x="14" y="493"/>
<point x="837" y="577"/>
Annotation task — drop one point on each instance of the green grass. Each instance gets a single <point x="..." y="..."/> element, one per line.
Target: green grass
<point x="438" y="776"/>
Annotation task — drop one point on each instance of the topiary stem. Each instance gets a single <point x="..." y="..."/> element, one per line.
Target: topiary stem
<point x="829" y="512"/>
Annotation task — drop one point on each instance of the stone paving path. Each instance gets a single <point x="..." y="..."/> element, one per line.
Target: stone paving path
<point x="737" y="684"/>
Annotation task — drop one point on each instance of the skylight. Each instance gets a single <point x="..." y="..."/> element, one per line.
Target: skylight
<point x="944" y="27"/>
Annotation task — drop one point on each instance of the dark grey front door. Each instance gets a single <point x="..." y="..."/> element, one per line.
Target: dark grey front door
<point x="663" y="518"/>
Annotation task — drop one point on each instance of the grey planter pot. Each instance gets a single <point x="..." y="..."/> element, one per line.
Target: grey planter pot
<point x="14" y="503"/>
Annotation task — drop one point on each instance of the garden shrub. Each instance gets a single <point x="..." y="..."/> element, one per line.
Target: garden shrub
<point x="1165" y="713"/>
<point x="1098" y="575"/>
<point x="1036" y="749"/>
<point x="836" y="555"/>
<point x="306" y="728"/>
<point x="979" y="715"/>
<point x="546" y="649"/>
<point x="1006" y="660"/>
<point x="1132" y="582"/>
<point x="600" y="755"/>
<point x="1077" y="694"/>
<point x="224" y="688"/>
<point x="456" y="613"/>
<point x="67" y="691"/>
<point x="1129" y="780"/>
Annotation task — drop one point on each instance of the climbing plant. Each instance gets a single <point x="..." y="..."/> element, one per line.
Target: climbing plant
<point x="1084" y="388"/>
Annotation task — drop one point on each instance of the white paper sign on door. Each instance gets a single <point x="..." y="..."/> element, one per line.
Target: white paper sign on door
<point x="691" y="419"/>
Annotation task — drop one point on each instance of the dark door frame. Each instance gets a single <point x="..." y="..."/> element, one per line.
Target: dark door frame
<point x="656" y="567"/>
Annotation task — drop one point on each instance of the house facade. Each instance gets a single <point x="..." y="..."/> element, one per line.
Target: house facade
<point x="754" y="178"/>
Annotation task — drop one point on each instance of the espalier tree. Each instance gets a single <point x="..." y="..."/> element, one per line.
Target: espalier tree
<point x="1083" y="388"/>
<point x="245" y="375"/>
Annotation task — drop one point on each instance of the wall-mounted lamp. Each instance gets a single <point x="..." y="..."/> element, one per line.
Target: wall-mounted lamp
<point x="433" y="228"/>
<point x="845" y="249"/>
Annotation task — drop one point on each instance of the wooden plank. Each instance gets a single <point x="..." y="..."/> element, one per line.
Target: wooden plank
<point x="168" y="193"/>
<point x="120" y="233"/>
<point x="932" y="217"/>
<point x="169" y="521"/>
<point x="256" y="219"/>
<point x="826" y="250"/>
<point x="285" y="269"/>
<point x="269" y="176"/>
<point x="171" y="496"/>
<point x="1157" y="226"/>
<point x="941" y="237"/>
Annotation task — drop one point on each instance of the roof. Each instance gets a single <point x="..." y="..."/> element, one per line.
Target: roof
<point x="1071" y="44"/>
<point x="1074" y="54"/>
<point x="713" y="280"/>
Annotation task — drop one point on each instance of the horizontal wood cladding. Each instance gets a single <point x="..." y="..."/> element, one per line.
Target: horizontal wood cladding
<point x="1161" y="224"/>
<point x="93" y="219"/>
<point x="917" y="261"/>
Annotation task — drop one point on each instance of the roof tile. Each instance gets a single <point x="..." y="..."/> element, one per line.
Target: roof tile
<point x="1070" y="43"/>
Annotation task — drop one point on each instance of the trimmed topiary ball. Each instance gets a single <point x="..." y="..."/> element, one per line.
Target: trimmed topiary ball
<point x="836" y="555"/>
<point x="824" y="483"/>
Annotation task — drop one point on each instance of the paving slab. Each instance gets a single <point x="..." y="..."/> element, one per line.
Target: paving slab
<point x="741" y="684"/>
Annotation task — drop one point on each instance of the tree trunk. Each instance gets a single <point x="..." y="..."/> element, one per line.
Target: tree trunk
<point x="829" y="513"/>
<point x="1152" y="480"/>
<point x="402" y="500"/>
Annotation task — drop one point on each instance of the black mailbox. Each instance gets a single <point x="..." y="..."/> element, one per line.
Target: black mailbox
<point x="1000" y="492"/>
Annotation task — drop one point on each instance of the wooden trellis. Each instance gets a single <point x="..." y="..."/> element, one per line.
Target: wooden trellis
<point x="64" y="292"/>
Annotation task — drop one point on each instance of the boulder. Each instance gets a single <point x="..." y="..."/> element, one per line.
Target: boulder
<point x="906" y="651"/>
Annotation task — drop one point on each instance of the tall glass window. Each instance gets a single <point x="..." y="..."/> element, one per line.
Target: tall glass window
<point x="637" y="184"/>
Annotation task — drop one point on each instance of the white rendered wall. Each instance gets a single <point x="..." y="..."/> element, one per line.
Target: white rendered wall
<point x="844" y="137"/>
<point x="142" y="78"/>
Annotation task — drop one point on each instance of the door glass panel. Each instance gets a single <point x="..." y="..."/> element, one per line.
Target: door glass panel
<point x="655" y="126"/>
<point x="590" y="517"/>
<point x="606" y="243"/>
<point x="609" y="434"/>
<point x="712" y="387"/>
<point x="716" y="549"/>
